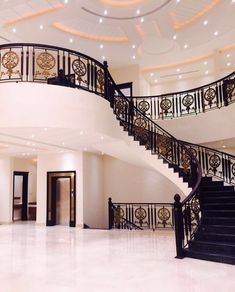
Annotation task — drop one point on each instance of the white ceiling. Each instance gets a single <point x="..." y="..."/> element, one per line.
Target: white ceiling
<point x="153" y="39"/>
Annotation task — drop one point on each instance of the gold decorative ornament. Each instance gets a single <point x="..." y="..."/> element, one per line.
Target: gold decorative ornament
<point x="46" y="62"/>
<point x="9" y="61"/>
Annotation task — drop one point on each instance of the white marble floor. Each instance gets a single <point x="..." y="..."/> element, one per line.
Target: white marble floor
<point x="62" y="259"/>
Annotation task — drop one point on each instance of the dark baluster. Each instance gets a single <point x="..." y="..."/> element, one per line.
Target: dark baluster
<point x="179" y="231"/>
<point x="225" y="94"/>
<point x="110" y="213"/>
<point x="106" y="80"/>
<point x="27" y="64"/>
<point x="22" y="64"/>
<point x="33" y="64"/>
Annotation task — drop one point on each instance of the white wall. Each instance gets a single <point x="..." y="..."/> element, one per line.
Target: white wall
<point x="93" y="191"/>
<point x="59" y="162"/>
<point x="30" y="166"/>
<point x="6" y="189"/>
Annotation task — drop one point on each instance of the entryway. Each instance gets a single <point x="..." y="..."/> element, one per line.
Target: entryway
<point x="61" y="198"/>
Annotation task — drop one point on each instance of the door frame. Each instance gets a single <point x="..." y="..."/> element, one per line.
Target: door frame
<point x="24" y="209"/>
<point x="52" y="177"/>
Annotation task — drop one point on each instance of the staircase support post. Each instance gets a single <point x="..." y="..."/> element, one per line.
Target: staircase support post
<point x="179" y="227"/>
<point x="110" y="213"/>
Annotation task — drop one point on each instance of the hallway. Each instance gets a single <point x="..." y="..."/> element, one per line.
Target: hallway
<point x="62" y="259"/>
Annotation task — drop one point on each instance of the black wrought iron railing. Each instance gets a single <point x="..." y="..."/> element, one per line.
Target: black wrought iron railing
<point x="42" y="63"/>
<point x="194" y="101"/>
<point x="143" y="215"/>
<point x="39" y="63"/>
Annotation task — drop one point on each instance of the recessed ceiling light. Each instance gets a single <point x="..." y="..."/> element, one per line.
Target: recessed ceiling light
<point x="102" y="137"/>
<point x="205" y="22"/>
<point x="133" y="57"/>
<point x="105" y="12"/>
<point x="178" y="1"/>
<point x="32" y="136"/>
<point x="228" y="64"/>
<point x="45" y="129"/>
<point x="13" y="30"/>
<point x="103" y="57"/>
<point x="216" y="33"/>
<point x="133" y="46"/>
<point x="81" y="133"/>
<point x="23" y="154"/>
<point x="174" y="37"/>
<point x="180" y="76"/>
<point x="71" y="40"/>
<point x="233" y="1"/>
<point x="33" y="144"/>
<point x="228" y="55"/>
<point x="224" y="146"/>
<point x="41" y="26"/>
<point x="151" y="74"/>
<point x="63" y="143"/>
<point x="141" y="19"/>
<point x="185" y="46"/>
<point x="100" y="20"/>
<point x="85" y="149"/>
<point x="155" y="80"/>
<point x="66" y="1"/>
<point x="205" y="63"/>
<point x="178" y="70"/>
<point x="101" y="46"/>
<point x="206" y="72"/>
<point x="138" y="12"/>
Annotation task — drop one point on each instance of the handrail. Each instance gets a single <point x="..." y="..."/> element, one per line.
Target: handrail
<point x="214" y="95"/>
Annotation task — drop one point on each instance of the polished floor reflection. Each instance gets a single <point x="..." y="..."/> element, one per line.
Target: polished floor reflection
<point x="62" y="259"/>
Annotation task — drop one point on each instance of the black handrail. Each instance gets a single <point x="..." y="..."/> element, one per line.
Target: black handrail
<point x="197" y="100"/>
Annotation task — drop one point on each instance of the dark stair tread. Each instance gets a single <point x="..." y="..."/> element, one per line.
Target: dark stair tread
<point x="212" y="256"/>
<point x="202" y="233"/>
<point x="210" y="242"/>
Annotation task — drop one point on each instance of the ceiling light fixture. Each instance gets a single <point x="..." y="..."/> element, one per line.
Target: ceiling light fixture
<point x="41" y="26"/>
<point x="105" y="12"/>
<point x="45" y="129"/>
<point x="151" y="74"/>
<point x="185" y="46"/>
<point x="103" y="57"/>
<point x="66" y="1"/>
<point x="13" y="30"/>
<point x="205" y="22"/>
<point x="206" y="72"/>
<point x="133" y="57"/>
<point x="71" y="40"/>
<point x="228" y="64"/>
<point x="100" y="20"/>
<point x="81" y="133"/>
<point x="101" y="46"/>
<point x="180" y="76"/>
<point x="142" y="19"/>
<point x="174" y="37"/>
<point x="138" y="12"/>
<point x="228" y="55"/>
<point x="155" y="80"/>
<point x="216" y="33"/>
<point x="133" y="46"/>
<point x="178" y="70"/>
<point x="205" y="63"/>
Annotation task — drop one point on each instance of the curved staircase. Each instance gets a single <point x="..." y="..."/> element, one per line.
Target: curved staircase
<point x="205" y="219"/>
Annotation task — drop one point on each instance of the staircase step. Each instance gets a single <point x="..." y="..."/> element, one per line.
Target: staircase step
<point x="221" y="229"/>
<point x="228" y="221"/>
<point x="215" y="237"/>
<point x="217" y="193"/>
<point x="218" y="213"/>
<point x="212" y="247"/>
<point x="218" y="206"/>
<point x="210" y="188"/>
<point x="206" y="184"/>
<point x="217" y="199"/>
<point x="215" y="257"/>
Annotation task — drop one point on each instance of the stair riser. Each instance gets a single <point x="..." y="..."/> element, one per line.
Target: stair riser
<point x="216" y="188"/>
<point x="218" y="194"/>
<point x="213" y="258"/>
<point x="216" y="221"/>
<point x="221" y="200"/>
<point x="217" y="229"/>
<point x="218" y="213"/>
<point x="212" y="248"/>
<point x="219" y="207"/>
<point x="214" y="237"/>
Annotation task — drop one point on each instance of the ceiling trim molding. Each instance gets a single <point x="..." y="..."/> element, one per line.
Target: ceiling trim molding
<point x="172" y="65"/>
<point x="38" y="13"/>
<point x="88" y="36"/>
<point x="119" y="3"/>
<point x="195" y="17"/>
<point x="227" y="48"/>
<point x="128" y="17"/>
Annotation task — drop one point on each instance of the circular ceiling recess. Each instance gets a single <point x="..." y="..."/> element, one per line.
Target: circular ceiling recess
<point x="153" y="45"/>
<point x="161" y="4"/>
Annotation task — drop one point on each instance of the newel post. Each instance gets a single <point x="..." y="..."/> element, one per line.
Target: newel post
<point x="110" y="213"/>
<point x="179" y="227"/>
<point x="106" y="80"/>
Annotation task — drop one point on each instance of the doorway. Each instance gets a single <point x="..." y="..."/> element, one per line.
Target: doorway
<point x="20" y="196"/>
<point x="61" y="198"/>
